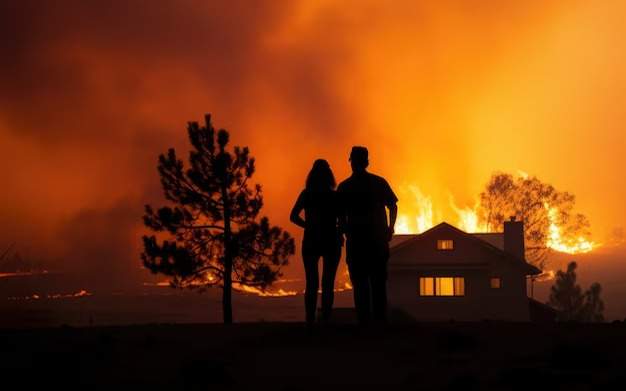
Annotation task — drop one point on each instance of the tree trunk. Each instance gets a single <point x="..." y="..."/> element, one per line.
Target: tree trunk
<point x="227" y="305"/>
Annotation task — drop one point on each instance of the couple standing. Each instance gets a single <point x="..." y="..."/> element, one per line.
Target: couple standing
<point x="357" y="209"/>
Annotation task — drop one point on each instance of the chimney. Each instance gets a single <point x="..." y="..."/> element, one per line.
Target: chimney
<point x="514" y="238"/>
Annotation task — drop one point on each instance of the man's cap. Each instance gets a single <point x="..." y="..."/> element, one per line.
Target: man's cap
<point x="358" y="153"/>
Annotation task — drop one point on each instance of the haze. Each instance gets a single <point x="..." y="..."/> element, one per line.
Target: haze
<point x="442" y="93"/>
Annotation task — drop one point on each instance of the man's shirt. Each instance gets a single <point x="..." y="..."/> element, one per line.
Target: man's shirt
<point x="363" y="198"/>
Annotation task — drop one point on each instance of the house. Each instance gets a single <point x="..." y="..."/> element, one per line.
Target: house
<point x="446" y="273"/>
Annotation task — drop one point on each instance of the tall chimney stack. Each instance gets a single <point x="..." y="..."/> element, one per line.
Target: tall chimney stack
<point x="514" y="238"/>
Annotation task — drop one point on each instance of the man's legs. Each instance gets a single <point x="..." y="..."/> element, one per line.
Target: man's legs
<point x="330" y="264"/>
<point x="378" y="278"/>
<point x="360" y="289"/>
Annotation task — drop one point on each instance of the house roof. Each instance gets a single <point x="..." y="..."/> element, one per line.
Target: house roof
<point x="492" y="241"/>
<point x="399" y="239"/>
<point x="495" y="239"/>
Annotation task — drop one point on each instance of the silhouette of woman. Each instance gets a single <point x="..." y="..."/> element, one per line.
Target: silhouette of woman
<point x="321" y="236"/>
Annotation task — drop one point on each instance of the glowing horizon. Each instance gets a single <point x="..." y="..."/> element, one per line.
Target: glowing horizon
<point x="443" y="94"/>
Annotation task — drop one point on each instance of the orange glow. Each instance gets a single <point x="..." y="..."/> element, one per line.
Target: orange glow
<point x="570" y="246"/>
<point x="21" y="274"/>
<point x="442" y="93"/>
<point x="467" y="220"/>
<point x="53" y="296"/>
<point x="264" y="293"/>
<point x="422" y="219"/>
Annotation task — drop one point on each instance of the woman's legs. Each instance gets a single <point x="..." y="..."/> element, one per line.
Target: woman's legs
<point x="330" y="262"/>
<point x="312" y="285"/>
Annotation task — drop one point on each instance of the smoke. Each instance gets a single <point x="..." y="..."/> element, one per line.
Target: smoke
<point x="91" y="93"/>
<point x="100" y="245"/>
<point x="442" y="94"/>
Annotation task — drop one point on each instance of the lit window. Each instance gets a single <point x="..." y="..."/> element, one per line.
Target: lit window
<point x="427" y="287"/>
<point x="442" y="286"/>
<point x="495" y="282"/>
<point x="459" y="286"/>
<point x="445" y="245"/>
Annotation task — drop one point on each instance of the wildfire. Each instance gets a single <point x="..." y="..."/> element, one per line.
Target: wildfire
<point x="160" y="283"/>
<point x="346" y="286"/>
<point x="423" y="218"/>
<point x="402" y="225"/>
<point x="557" y="242"/>
<point x="54" y="296"/>
<point x="22" y="274"/>
<point x="468" y="220"/>
<point x="259" y="292"/>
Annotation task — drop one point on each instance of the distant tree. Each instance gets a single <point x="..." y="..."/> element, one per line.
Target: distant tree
<point x="567" y="297"/>
<point x="593" y="310"/>
<point x="213" y="236"/>
<point x="537" y="204"/>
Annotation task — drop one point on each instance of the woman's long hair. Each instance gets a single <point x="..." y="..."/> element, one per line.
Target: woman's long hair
<point x="320" y="177"/>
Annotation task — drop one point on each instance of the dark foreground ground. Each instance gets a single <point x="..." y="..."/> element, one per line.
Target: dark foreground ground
<point x="283" y="356"/>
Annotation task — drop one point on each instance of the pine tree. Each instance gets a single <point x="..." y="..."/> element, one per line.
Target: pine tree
<point x="567" y="297"/>
<point x="214" y="236"/>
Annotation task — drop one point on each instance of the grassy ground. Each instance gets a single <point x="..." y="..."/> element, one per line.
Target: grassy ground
<point x="284" y="356"/>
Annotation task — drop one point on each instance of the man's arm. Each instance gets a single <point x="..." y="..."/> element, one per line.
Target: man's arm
<point x="391" y="203"/>
<point x="341" y="212"/>
<point x="393" y="214"/>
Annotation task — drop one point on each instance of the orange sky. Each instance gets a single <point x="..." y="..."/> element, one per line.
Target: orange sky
<point x="442" y="93"/>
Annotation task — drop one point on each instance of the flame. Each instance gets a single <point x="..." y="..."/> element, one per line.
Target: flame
<point x="264" y="293"/>
<point x="423" y="218"/>
<point x="578" y="245"/>
<point x="35" y="296"/>
<point x="81" y="293"/>
<point x="237" y="287"/>
<point x="160" y="283"/>
<point x="468" y="219"/>
<point x="346" y="285"/>
<point x="547" y="275"/>
<point x="402" y="225"/>
<point x="21" y="274"/>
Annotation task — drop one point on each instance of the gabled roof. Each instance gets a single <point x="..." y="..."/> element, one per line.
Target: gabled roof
<point x="492" y="241"/>
<point x="398" y="239"/>
<point x="495" y="238"/>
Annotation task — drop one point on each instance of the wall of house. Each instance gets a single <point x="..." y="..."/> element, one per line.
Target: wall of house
<point x="480" y="301"/>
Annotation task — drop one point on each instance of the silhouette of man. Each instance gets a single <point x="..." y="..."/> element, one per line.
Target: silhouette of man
<point x="363" y="219"/>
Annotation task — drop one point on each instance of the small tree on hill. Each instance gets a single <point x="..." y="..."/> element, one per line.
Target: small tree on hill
<point x="567" y="297"/>
<point x="213" y="236"/>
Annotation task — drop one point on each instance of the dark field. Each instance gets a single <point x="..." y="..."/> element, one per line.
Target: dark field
<point x="283" y="356"/>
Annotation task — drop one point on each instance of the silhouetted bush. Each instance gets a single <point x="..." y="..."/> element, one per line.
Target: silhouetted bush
<point x="567" y="297"/>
